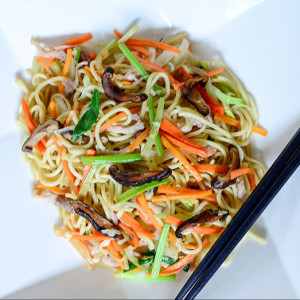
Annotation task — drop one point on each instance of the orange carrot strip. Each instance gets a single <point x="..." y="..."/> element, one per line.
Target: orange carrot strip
<point x="195" y="195"/>
<point x="87" y="68"/>
<point x="65" y="70"/>
<point x="214" y="72"/>
<point x="175" y="268"/>
<point x="69" y="174"/>
<point x="173" y="221"/>
<point x="41" y="145"/>
<point x="92" y="55"/>
<point x="136" y="226"/>
<point x="87" y="248"/>
<point x="145" y="218"/>
<point x="86" y="169"/>
<point x="125" y="82"/>
<point x="69" y="118"/>
<point x="117" y="118"/>
<point x="259" y="130"/>
<point x="205" y="230"/>
<point x="89" y="237"/>
<point x="117" y="246"/>
<point x="211" y="168"/>
<point x="179" y="85"/>
<point x="48" y="64"/>
<point x="141" y="201"/>
<point x="117" y="33"/>
<point x="140" y="49"/>
<point x="215" y="107"/>
<point x="185" y="73"/>
<point x="183" y="145"/>
<point x="139" y="139"/>
<point x="156" y="67"/>
<point x="53" y="109"/>
<point x="147" y="43"/>
<point x="78" y="40"/>
<point x="237" y="124"/>
<point x="173" y="130"/>
<point x="44" y="59"/>
<point x="189" y="246"/>
<point x="181" y="158"/>
<point x="53" y="189"/>
<point x="136" y="240"/>
<point x="103" y="54"/>
<point x="242" y="171"/>
<point x="114" y="252"/>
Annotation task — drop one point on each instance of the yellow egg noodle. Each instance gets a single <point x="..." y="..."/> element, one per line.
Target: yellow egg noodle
<point x="206" y="131"/>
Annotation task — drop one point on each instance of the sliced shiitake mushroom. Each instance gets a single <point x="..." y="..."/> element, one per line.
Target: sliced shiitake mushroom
<point x="199" y="102"/>
<point x="223" y="181"/>
<point x="113" y="92"/>
<point x="40" y="132"/>
<point x="208" y="216"/>
<point x="138" y="178"/>
<point x="100" y="223"/>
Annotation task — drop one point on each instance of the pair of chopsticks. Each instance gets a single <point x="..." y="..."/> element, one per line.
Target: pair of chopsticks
<point x="281" y="170"/>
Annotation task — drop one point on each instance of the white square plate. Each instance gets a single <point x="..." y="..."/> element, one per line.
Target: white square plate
<point x="259" y="40"/>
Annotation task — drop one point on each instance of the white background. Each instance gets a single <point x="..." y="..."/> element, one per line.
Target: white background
<point x="259" y="40"/>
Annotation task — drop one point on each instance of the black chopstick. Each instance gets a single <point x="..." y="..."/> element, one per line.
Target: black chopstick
<point x="272" y="182"/>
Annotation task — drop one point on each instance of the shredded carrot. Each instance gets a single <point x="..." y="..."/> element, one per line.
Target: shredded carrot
<point x="69" y="118"/>
<point x="126" y="83"/>
<point x="154" y="44"/>
<point x="53" y="189"/>
<point x="53" y="110"/>
<point x="103" y="54"/>
<point x="189" y="195"/>
<point x="87" y="68"/>
<point x="214" y="106"/>
<point x="86" y="169"/>
<point x="145" y="218"/>
<point x="141" y="201"/>
<point x="128" y="220"/>
<point x="68" y="172"/>
<point x="135" y="240"/>
<point x="41" y="59"/>
<point x="139" y="139"/>
<point x="214" y="72"/>
<point x="116" y="119"/>
<point x="75" y="236"/>
<point x="242" y="171"/>
<point x="156" y="67"/>
<point x="211" y="198"/>
<point x="92" y="55"/>
<point x="211" y="168"/>
<point x="48" y="64"/>
<point x="177" y="153"/>
<point x="117" y="33"/>
<point x="178" y="266"/>
<point x="173" y="221"/>
<point x="237" y="124"/>
<point x="183" y="145"/>
<point x="179" y="85"/>
<point x="115" y="254"/>
<point x="171" y="129"/>
<point x="117" y="246"/>
<point x="78" y="40"/>
<point x="41" y="145"/>
<point x="86" y="245"/>
<point x="65" y="70"/>
<point x="185" y="73"/>
<point x="205" y="230"/>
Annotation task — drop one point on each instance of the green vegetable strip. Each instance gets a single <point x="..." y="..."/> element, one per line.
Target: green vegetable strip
<point x="160" y="251"/>
<point x="155" y="129"/>
<point x="129" y="34"/>
<point x="89" y="117"/>
<point x="110" y="159"/>
<point x="186" y="204"/>
<point x="139" y="67"/>
<point x="112" y="44"/>
<point x="133" y="192"/>
<point x="78" y="51"/>
<point x="179" y="216"/>
<point x="228" y="99"/>
<point x="87" y="183"/>
<point x="130" y="275"/>
<point x="204" y="65"/>
<point x="161" y="216"/>
<point x="158" y="145"/>
<point x="224" y="88"/>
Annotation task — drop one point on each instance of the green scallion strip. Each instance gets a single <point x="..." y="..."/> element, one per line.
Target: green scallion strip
<point x="78" y="51"/>
<point x="228" y="99"/>
<point x="110" y="159"/>
<point x="130" y="275"/>
<point x="182" y="217"/>
<point x="204" y="65"/>
<point x="158" y="144"/>
<point x="160" y="251"/>
<point x="133" y="192"/>
<point x="87" y="183"/>
<point x="112" y="44"/>
<point x="139" y="67"/>
<point x="155" y="129"/>
<point x="161" y="216"/>
<point x="129" y="34"/>
<point x="224" y="88"/>
<point x="186" y="204"/>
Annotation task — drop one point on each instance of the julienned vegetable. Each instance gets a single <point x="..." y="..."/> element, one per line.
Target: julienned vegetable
<point x="139" y="190"/>
<point x="110" y="159"/>
<point x="155" y="129"/>
<point x="77" y="56"/>
<point x="129" y="34"/>
<point x="89" y="117"/>
<point x="129" y="275"/>
<point x="139" y="67"/>
<point x="160" y="251"/>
